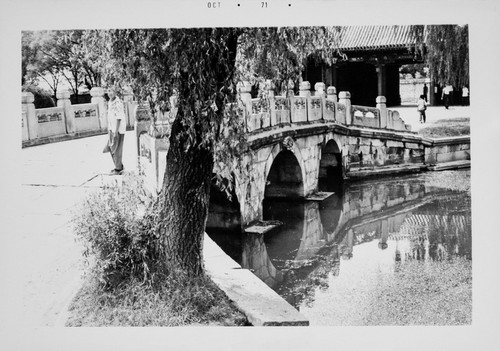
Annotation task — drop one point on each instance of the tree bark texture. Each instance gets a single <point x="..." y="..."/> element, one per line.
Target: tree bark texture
<point x="185" y="196"/>
<point x="184" y="203"/>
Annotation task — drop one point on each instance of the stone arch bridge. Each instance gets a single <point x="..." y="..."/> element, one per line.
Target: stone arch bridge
<point x="297" y="140"/>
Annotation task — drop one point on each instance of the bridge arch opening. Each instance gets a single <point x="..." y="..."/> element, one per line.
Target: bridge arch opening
<point x="224" y="219"/>
<point x="285" y="177"/>
<point x="330" y="166"/>
<point x="224" y="209"/>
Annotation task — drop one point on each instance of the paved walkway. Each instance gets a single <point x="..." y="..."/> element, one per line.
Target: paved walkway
<point x="434" y="113"/>
<point x="53" y="179"/>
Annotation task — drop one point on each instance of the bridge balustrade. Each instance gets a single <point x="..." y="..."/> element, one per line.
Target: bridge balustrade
<point x="50" y="121"/>
<point x="48" y="124"/>
<point x="365" y="116"/>
<point x="265" y="112"/>
<point x="86" y="117"/>
<point x="280" y="111"/>
<point x="316" y="107"/>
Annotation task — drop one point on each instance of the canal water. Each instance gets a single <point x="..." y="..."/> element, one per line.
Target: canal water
<point x="391" y="251"/>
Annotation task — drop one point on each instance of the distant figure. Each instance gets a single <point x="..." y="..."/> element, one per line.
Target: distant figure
<point x="116" y="128"/>
<point x="426" y="90"/>
<point x="465" y="96"/>
<point x="446" y="95"/>
<point x="421" y="107"/>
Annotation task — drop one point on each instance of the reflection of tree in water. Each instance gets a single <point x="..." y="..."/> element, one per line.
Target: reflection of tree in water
<point x="299" y="285"/>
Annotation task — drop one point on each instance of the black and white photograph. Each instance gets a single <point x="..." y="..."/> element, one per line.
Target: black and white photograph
<point x="249" y="175"/>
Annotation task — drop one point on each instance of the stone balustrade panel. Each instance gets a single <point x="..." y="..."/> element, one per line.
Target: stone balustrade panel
<point x="281" y="111"/>
<point x="299" y="109"/>
<point x="315" y="108"/>
<point x="330" y="109"/>
<point x="365" y="116"/>
<point x="340" y="114"/>
<point x="50" y="122"/>
<point x="265" y="111"/>
<point x="24" y="126"/>
<point x="395" y="122"/>
<point x="86" y="117"/>
<point x="256" y="115"/>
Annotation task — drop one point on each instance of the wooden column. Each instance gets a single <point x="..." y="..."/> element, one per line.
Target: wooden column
<point x="381" y="80"/>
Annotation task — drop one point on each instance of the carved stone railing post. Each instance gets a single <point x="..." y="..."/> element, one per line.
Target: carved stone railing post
<point x="245" y="100"/>
<point x="29" y="108"/>
<point x="345" y="100"/>
<point x="128" y="101"/>
<point x="305" y="91"/>
<point x="290" y="88"/>
<point x="267" y="101"/>
<point x="97" y="94"/>
<point x="270" y="86"/>
<point x="331" y="93"/>
<point x="142" y="123"/>
<point x="319" y="89"/>
<point x="330" y="108"/>
<point x="381" y="106"/>
<point x="63" y="100"/>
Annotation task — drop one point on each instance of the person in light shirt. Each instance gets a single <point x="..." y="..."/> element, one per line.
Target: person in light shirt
<point x="446" y="95"/>
<point x="465" y="96"/>
<point x="116" y="129"/>
<point x="421" y="107"/>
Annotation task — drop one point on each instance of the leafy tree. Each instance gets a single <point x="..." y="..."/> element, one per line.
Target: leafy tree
<point x="55" y="55"/>
<point x="27" y="54"/>
<point x="39" y="60"/>
<point x="201" y="67"/>
<point x="446" y="52"/>
<point x="413" y="69"/>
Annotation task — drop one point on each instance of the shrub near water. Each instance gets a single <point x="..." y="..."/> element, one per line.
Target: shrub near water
<point x="129" y="283"/>
<point x="116" y="226"/>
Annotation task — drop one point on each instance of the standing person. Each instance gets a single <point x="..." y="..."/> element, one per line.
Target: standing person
<point x="116" y="129"/>
<point x="445" y="96"/>
<point x="421" y="107"/>
<point x="465" y="96"/>
<point x="426" y="90"/>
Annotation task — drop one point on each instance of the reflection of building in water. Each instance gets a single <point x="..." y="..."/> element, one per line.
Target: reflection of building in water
<point x="409" y="220"/>
<point x="424" y="236"/>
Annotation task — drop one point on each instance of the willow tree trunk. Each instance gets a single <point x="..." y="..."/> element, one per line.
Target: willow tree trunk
<point x="184" y="202"/>
<point x="205" y="78"/>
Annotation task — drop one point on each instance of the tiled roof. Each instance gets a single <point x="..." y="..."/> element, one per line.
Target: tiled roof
<point x="356" y="38"/>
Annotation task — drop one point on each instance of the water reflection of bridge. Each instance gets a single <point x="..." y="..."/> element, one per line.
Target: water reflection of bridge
<point x="317" y="235"/>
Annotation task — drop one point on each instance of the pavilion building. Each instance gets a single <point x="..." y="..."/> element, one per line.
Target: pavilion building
<point x="370" y="64"/>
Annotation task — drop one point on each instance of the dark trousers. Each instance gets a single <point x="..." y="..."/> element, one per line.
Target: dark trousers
<point x="422" y="116"/>
<point x="116" y="149"/>
<point x="446" y="100"/>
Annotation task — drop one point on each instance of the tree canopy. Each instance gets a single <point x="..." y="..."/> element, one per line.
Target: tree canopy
<point x="446" y="51"/>
<point x="56" y="55"/>
<point x="201" y="68"/>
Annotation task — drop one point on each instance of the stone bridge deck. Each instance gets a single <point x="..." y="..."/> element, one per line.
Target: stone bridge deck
<point x="295" y="140"/>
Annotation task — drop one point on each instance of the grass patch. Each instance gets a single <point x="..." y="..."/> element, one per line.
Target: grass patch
<point x="177" y="301"/>
<point x="447" y="128"/>
<point x="128" y="282"/>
